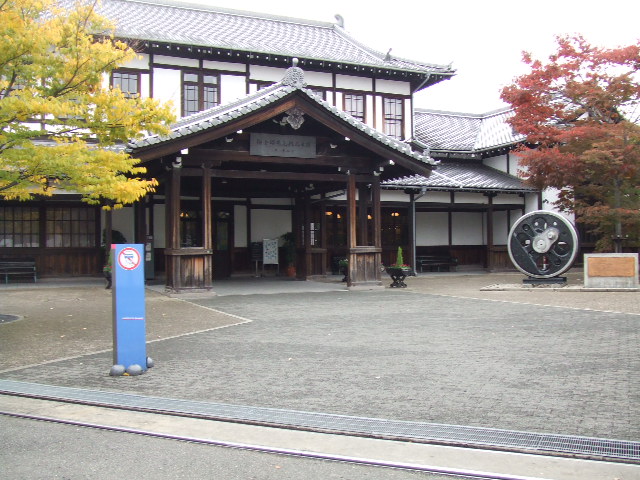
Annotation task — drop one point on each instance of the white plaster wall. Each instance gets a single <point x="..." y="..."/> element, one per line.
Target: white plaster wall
<point x="318" y="79"/>
<point x="178" y="61"/>
<point x="369" y="120"/>
<point x="269" y="224"/>
<point x="350" y="82"/>
<point x="505" y="198"/>
<point x="377" y="120"/>
<point x="394" y="196"/>
<point x="232" y="87"/>
<point x="166" y="86"/>
<point x="145" y="85"/>
<point x="330" y="98"/>
<point x="228" y="66"/>
<point x="435" y="197"/>
<point x="501" y="227"/>
<point x="408" y="119"/>
<point x="123" y="221"/>
<point x="499" y="162"/>
<point x="266" y="74"/>
<point x="464" y="197"/>
<point x="530" y="202"/>
<point x="240" y="226"/>
<point x="159" y="226"/>
<point x="393" y="86"/>
<point x="141" y="62"/>
<point x="432" y="228"/>
<point x="467" y="228"/>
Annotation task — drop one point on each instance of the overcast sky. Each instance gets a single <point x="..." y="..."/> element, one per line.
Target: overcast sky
<point x="482" y="39"/>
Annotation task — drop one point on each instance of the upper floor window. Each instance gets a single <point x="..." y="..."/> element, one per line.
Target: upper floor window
<point x="200" y="91"/>
<point x="354" y="105"/>
<point x="127" y="82"/>
<point x="392" y="117"/>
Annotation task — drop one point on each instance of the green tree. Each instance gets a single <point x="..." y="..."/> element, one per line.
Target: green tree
<point x="579" y="112"/>
<point x="61" y="124"/>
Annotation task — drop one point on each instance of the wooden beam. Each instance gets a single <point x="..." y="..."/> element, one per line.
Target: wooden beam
<point x="198" y="155"/>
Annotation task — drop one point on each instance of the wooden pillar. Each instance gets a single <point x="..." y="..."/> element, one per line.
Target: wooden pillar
<point x="489" y="262"/>
<point x="207" y="241"/>
<point x="376" y="212"/>
<point x="140" y="220"/>
<point x="173" y="230"/>
<point x="412" y="231"/>
<point x="323" y="235"/>
<point x="363" y="208"/>
<point x="308" y="255"/>
<point x="351" y="228"/>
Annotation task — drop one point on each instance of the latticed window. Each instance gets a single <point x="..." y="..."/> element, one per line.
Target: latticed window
<point x="354" y="105"/>
<point x="127" y="82"/>
<point x="70" y="227"/>
<point x="393" y="113"/>
<point x="199" y="92"/>
<point x="19" y="227"/>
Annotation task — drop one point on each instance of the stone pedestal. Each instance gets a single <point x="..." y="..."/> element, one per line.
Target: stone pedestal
<point x="611" y="270"/>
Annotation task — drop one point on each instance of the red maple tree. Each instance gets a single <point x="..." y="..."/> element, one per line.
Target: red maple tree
<point x="579" y="112"/>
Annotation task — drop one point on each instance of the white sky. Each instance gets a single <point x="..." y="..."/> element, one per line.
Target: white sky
<point x="483" y="39"/>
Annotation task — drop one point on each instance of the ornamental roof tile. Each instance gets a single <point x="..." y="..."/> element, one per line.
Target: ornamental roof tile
<point x="464" y="132"/>
<point x="470" y="176"/>
<point x="222" y="114"/>
<point x="205" y="26"/>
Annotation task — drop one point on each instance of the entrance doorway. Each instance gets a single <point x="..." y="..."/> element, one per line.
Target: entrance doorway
<point x="222" y="241"/>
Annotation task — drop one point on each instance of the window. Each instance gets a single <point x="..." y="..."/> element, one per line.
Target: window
<point x="354" y="105"/>
<point x="127" y="82"/>
<point x="392" y="117"/>
<point x="199" y="92"/>
<point x="70" y="227"/>
<point x="19" y="227"/>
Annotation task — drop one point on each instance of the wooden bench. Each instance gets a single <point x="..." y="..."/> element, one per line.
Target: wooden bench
<point x="436" y="262"/>
<point x="18" y="268"/>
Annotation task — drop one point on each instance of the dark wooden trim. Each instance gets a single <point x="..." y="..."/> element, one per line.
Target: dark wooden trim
<point x="197" y="155"/>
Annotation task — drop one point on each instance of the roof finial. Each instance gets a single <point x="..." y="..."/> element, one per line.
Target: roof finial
<point x="387" y="57"/>
<point x="340" y="20"/>
<point x="294" y="76"/>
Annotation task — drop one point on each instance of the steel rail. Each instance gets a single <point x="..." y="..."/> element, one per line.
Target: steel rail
<point x="453" y="472"/>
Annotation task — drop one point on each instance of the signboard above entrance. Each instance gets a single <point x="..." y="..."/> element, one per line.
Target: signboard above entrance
<point x="268" y="145"/>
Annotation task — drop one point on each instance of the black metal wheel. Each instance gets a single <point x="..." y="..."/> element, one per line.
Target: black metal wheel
<point x="543" y="244"/>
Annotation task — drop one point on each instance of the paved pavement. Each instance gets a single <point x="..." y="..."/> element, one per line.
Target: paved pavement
<point x="442" y="351"/>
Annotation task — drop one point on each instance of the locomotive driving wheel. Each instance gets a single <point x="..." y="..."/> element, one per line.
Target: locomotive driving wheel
<point x="543" y="244"/>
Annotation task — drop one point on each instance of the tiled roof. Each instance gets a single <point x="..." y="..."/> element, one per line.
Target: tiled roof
<point x="463" y="132"/>
<point x="204" y="26"/>
<point x="473" y="176"/>
<point x="294" y="80"/>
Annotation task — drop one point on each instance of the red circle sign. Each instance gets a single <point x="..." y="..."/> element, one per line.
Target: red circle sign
<point x="129" y="258"/>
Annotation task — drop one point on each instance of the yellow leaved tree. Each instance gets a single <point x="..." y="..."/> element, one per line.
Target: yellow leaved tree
<point x="61" y="124"/>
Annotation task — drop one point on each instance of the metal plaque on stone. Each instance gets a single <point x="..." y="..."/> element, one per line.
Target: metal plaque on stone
<point x="270" y="145"/>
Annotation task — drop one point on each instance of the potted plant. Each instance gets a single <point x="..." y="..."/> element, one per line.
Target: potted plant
<point x="289" y="250"/>
<point x="398" y="271"/>
<point x="107" y="269"/>
<point x="343" y="268"/>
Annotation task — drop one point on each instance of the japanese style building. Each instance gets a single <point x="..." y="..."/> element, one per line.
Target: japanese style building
<point x="286" y="125"/>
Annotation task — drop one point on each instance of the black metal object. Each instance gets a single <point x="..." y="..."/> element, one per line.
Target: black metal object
<point x="397" y="275"/>
<point x="543" y="244"/>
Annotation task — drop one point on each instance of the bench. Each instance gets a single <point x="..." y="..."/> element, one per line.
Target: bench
<point x="18" y="268"/>
<point x="436" y="262"/>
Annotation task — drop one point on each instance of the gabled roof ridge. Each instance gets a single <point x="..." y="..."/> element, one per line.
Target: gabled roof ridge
<point x="292" y="81"/>
<point x="378" y="55"/>
<point x="232" y="11"/>
<point x="449" y="113"/>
